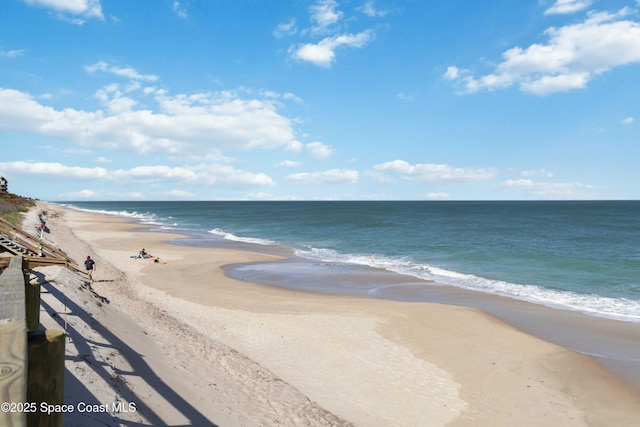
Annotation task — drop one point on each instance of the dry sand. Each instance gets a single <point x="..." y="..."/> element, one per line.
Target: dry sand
<point x="187" y="345"/>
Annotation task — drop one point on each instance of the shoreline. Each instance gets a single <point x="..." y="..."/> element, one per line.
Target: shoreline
<point x="363" y="360"/>
<point x="591" y="335"/>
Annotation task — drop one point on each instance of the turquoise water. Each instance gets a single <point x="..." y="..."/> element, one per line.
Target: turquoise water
<point x="582" y="256"/>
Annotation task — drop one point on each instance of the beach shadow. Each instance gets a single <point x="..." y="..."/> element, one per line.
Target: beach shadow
<point x="117" y="382"/>
<point x="99" y="298"/>
<point x="77" y="418"/>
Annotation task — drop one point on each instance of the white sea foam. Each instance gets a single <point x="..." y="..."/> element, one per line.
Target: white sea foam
<point x="591" y="304"/>
<point x="145" y="218"/>
<point x="233" y="237"/>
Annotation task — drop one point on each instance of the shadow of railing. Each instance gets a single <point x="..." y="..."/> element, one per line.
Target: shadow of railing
<point x="139" y="367"/>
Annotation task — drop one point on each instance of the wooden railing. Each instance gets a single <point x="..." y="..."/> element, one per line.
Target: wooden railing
<point x="38" y="252"/>
<point x="31" y="359"/>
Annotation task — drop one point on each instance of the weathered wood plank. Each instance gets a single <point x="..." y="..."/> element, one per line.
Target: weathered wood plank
<point x="46" y="375"/>
<point x="12" y="291"/>
<point x="31" y="243"/>
<point x="38" y="261"/>
<point x="13" y="343"/>
<point x="13" y="372"/>
<point x="32" y="299"/>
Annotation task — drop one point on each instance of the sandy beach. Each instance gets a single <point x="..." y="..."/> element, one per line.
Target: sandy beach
<point x="182" y="344"/>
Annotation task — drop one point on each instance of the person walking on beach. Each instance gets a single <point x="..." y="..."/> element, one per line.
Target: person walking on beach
<point x="90" y="266"/>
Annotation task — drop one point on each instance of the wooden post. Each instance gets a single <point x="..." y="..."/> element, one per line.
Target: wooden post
<point x="13" y="372"/>
<point x="13" y="345"/>
<point x="32" y="299"/>
<point x="45" y="378"/>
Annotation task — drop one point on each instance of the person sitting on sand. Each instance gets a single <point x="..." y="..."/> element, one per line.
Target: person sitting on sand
<point x="146" y="255"/>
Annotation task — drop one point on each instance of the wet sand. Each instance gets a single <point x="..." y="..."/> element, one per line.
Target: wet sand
<point x="189" y="344"/>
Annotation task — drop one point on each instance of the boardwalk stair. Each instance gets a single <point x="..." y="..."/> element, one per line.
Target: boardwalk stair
<point x="15" y="242"/>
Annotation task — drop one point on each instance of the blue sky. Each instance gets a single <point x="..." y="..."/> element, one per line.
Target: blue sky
<point x="324" y="99"/>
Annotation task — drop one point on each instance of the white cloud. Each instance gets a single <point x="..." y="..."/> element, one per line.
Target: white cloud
<point x="11" y="53"/>
<point x="333" y="176"/>
<point x="572" y="56"/>
<point x="438" y="196"/>
<point x="405" y="97"/>
<point x="81" y="10"/>
<point x="560" y="83"/>
<point x="433" y="172"/>
<point x="177" y="194"/>
<point x="452" y="73"/>
<point x="324" y="14"/>
<point x="56" y="170"/>
<point x="202" y="174"/>
<point x="319" y="150"/>
<point x="537" y="172"/>
<point x="327" y="23"/>
<point x="323" y="52"/>
<point x="285" y="29"/>
<point x="101" y="195"/>
<point x="199" y="125"/>
<point x="287" y="96"/>
<point x="80" y="195"/>
<point x="268" y="196"/>
<point x="288" y="164"/>
<point x="568" y="6"/>
<point x="548" y="189"/>
<point x="627" y="121"/>
<point x="371" y="11"/>
<point x="129" y="73"/>
<point x="380" y="177"/>
<point x="179" y="9"/>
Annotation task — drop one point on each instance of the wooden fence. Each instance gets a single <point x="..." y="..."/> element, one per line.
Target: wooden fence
<point x="31" y="359"/>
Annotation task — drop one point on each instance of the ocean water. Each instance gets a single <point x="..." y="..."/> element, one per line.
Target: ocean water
<point x="581" y="256"/>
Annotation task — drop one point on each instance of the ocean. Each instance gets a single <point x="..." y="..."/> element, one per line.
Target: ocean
<point x="578" y="256"/>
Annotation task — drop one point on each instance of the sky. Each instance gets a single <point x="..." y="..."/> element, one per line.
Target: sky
<point x="320" y="99"/>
